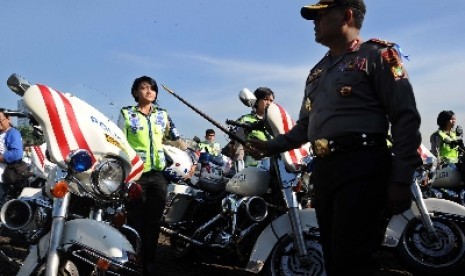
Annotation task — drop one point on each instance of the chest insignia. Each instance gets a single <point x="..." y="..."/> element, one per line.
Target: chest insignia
<point x="354" y="64"/>
<point x="345" y="91"/>
<point x="308" y="104"/>
<point x="314" y="75"/>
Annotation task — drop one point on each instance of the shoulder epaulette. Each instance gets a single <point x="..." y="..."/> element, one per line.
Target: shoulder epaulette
<point x="382" y="42"/>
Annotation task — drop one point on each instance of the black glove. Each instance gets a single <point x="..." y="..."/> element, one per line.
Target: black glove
<point x="257" y="149"/>
<point x="399" y="198"/>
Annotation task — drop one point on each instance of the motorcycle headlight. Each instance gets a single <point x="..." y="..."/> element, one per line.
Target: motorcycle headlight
<point x="108" y="177"/>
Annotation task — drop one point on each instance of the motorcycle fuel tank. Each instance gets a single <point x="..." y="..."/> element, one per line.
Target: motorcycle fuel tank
<point x="249" y="182"/>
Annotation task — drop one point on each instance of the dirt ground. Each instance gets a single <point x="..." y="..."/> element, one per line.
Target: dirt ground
<point x="168" y="265"/>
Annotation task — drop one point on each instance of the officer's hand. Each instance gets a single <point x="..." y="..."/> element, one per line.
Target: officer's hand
<point x="399" y="198"/>
<point x="257" y="149"/>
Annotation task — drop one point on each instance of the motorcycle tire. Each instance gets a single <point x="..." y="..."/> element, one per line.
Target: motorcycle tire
<point x="284" y="259"/>
<point x="419" y="252"/>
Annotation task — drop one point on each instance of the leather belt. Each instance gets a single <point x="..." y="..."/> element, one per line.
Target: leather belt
<point x="328" y="146"/>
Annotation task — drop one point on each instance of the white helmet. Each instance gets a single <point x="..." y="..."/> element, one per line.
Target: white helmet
<point x="247" y="97"/>
<point x="179" y="164"/>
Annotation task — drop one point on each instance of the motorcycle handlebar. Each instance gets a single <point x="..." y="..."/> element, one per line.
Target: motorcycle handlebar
<point x="259" y="125"/>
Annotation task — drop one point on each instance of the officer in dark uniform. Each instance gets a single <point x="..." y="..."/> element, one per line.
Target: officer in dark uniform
<point x="352" y="96"/>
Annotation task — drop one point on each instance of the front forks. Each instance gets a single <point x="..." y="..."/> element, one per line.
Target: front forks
<point x="290" y="198"/>
<point x="60" y="208"/>
<point x="424" y="214"/>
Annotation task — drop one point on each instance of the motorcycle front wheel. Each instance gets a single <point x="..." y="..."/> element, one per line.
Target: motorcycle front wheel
<point x="430" y="256"/>
<point x="285" y="261"/>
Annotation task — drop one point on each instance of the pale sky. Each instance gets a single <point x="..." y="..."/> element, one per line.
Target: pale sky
<point x="208" y="50"/>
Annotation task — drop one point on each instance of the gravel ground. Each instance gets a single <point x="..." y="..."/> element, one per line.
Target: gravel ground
<point x="169" y="266"/>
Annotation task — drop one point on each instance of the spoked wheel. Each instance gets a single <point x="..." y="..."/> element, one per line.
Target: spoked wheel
<point x="427" y="255"/>
<point x="284" y="260"/>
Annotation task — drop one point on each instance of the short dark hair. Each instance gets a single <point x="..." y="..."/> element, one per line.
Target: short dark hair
<point x="5" y="112"/>
<point x="263" y="93"/>
<point x="138" y="81"/>
<point x="209" y="132"/>
<point x="444" y="117"/>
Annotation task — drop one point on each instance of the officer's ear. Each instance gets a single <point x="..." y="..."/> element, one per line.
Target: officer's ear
<point x="348" y="16"/>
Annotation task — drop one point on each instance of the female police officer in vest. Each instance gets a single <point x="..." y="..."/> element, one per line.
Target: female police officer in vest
<point x="146" y="126"/>
<point x="265" y="96"/>
<point x="443" y="141"/>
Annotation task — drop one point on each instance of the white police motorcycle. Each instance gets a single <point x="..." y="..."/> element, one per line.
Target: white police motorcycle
<point x="76" y="222"/>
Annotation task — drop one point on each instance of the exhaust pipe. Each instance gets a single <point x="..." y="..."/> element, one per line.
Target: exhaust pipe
<point x="17" y="214"/>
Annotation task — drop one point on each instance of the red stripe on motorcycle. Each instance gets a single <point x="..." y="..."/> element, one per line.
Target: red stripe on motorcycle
<point x="54" y="116"/>
<point x="72" y="120"/>
<point x="137" y="170"/>
<point x="39" y="154"/>
<point x="286" y="126"/>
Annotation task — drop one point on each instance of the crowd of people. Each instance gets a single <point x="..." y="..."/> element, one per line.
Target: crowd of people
<point x="355" y="95"/>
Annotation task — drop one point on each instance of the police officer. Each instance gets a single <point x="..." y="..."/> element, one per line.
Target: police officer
<point x="146" y="125"/>
<point x="444" y="141"/>
<point x="209" y="145"/>
<point x="352" y="95"/>
<point x="264" y="97"/>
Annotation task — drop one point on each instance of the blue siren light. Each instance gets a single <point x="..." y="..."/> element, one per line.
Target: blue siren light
<point x="80" y="161"/>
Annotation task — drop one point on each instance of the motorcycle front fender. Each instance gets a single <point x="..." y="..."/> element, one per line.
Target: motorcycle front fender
<point x="270" y="236"/>
<point x="398" y="223"/>
<point x="96" y="235"/>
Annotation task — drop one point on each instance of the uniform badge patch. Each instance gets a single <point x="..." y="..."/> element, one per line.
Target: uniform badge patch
<point x="397" y="71"/>
<point x="391" y="57"/>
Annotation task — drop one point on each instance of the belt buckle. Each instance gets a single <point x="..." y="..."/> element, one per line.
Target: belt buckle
<point x="322" y="147"/>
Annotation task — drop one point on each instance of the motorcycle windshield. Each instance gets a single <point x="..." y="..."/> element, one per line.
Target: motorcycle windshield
<point x="69" y="123"/>
<point x="280" y="122"/>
